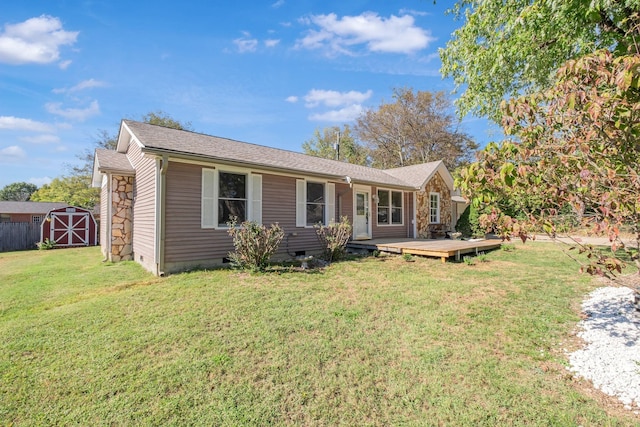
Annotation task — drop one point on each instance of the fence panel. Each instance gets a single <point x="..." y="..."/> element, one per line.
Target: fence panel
<point x="17" y="236"/>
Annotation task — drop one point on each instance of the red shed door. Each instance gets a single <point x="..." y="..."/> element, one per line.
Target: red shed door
<point x="70" y="228"/>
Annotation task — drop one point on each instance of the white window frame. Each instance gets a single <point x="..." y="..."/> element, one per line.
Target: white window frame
<point x="210" y="195"/>
<point x="301" y="202"/>
<point x="390" y="207"/>
<point x="437" y="212"/>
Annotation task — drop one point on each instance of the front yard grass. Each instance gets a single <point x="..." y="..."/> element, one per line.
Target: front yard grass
<point x="370" y="341"/>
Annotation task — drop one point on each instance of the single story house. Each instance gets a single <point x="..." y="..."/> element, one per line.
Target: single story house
<point x="33" y="212"/>
<point x="167" y="195"/>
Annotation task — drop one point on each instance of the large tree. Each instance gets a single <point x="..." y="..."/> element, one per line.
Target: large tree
<point x="75" y="188"/>
<point x="323" y="144"/>
<point x="417" y="127"/>
<point x="17" y="191"/>
<point x="576" y="145"/>
<point x="107" y="140"/>
<point x="507" y="48"/>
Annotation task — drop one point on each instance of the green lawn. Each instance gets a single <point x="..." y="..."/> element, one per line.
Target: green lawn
<point x="372" y="341"/>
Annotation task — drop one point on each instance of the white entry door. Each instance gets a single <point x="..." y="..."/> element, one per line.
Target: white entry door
<point x="362" y="221"/>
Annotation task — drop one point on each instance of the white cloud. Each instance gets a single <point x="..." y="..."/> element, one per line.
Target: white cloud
<point x="346" y="114"/>
<point x="396" y="34"/>
<point x="41" y="139"/>
<point x="278" y="4"/>
<point x="271" y="42"/>
<point x="85" y="84"/>
<point x="246" y="43"/>
<point x="413" y="12"/>
<point x="16" y="123"/>
<point x="332" y="98"/>
<point x="13" y="152"/>
<point x="292" y="99"/>
<point x="64" y="64"/>
<point x="36" y="40"/>
<point x="40" y="181"/>
<point x="78" y="114"/>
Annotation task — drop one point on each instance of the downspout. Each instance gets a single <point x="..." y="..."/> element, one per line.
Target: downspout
<point x="162" y="186"/>
<point x="109" y="219"/>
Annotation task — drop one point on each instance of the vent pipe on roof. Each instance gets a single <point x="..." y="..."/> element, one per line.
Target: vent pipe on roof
<point x="336" y="146"/>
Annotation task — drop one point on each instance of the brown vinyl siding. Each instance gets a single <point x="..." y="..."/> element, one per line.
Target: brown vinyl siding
<point x="344" y="202"/>
<point x="279" y="205"/>
<point x="144" y="206"/>
<point x="185" y="240"/>
<point x="187" y="243"/>
<point x="404" y="230"/>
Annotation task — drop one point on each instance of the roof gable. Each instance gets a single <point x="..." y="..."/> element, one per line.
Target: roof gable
<point x="419" y="175"/>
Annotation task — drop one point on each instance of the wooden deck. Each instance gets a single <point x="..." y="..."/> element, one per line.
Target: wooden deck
<point x="442" y="249"/>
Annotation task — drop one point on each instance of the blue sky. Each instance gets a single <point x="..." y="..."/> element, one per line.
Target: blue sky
<point x="267" y="72"/>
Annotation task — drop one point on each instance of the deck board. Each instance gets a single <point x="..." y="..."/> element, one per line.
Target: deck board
<point x="443" y="248"/>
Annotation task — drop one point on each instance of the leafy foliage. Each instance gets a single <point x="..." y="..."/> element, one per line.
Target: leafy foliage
<point x="468" y="223"/>
<point x="506" y="48"/>
<point x="17" y="191"/>
<point x="334" y="238"/>
<point x="46" y="245"/>
<point x="416" y="128"/>
<point x="322" y="145"/>
<point x="75" y="190"/>
<point x="254" y="244"/>
<point x="578" y="145"/>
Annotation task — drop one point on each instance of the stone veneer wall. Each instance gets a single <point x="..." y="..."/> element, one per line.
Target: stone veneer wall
<point x="121" y="220"/>
<point x="435" y="185"/>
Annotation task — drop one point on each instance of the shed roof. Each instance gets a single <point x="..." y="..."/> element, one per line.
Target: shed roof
<point x="29" y="207"/>
<point x="161" y="140"/>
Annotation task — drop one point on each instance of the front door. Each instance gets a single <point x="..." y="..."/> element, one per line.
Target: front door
<point x="361" y="225"/>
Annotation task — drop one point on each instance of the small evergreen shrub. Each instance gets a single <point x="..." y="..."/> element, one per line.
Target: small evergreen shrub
<point x="468" y="223"/>
<point x="334" y="238"/>
<point x="254" y="244"/>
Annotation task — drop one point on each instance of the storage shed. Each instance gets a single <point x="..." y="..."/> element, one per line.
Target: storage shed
<point x="70" y="226"/>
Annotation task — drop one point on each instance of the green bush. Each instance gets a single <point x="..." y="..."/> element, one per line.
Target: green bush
<point x="254" y="244"/>
<point x="468" y="223"/>
<point x="47" y="244"/>
<point x="334" y="238"/>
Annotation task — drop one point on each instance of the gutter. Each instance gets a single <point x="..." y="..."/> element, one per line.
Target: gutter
<point x="209" y="159"/>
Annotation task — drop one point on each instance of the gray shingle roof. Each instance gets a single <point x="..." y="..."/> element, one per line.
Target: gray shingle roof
<point x="416" y="175"/>
<point x="29" y="207"/>
<point x="160" y="140"/>
<point x="111" y="160"/>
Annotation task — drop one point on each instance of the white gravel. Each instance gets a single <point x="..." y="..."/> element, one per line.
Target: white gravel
<point x="611" y="357"/>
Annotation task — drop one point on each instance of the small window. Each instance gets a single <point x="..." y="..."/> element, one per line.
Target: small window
<point x="227" y="194"/>
<point x="36" y="219"/>
<point x="389" y="207"/>
<point x="232" y="197"/>
<point x="434" y="208"/>
<point x="315" y="203"/>
<point x="5" y="218"/>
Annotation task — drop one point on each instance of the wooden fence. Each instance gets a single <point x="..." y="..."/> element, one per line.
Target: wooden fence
<point x="17" y="236"/>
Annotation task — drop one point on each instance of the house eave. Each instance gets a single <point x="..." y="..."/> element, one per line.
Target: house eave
<point x="267" y="168"/>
